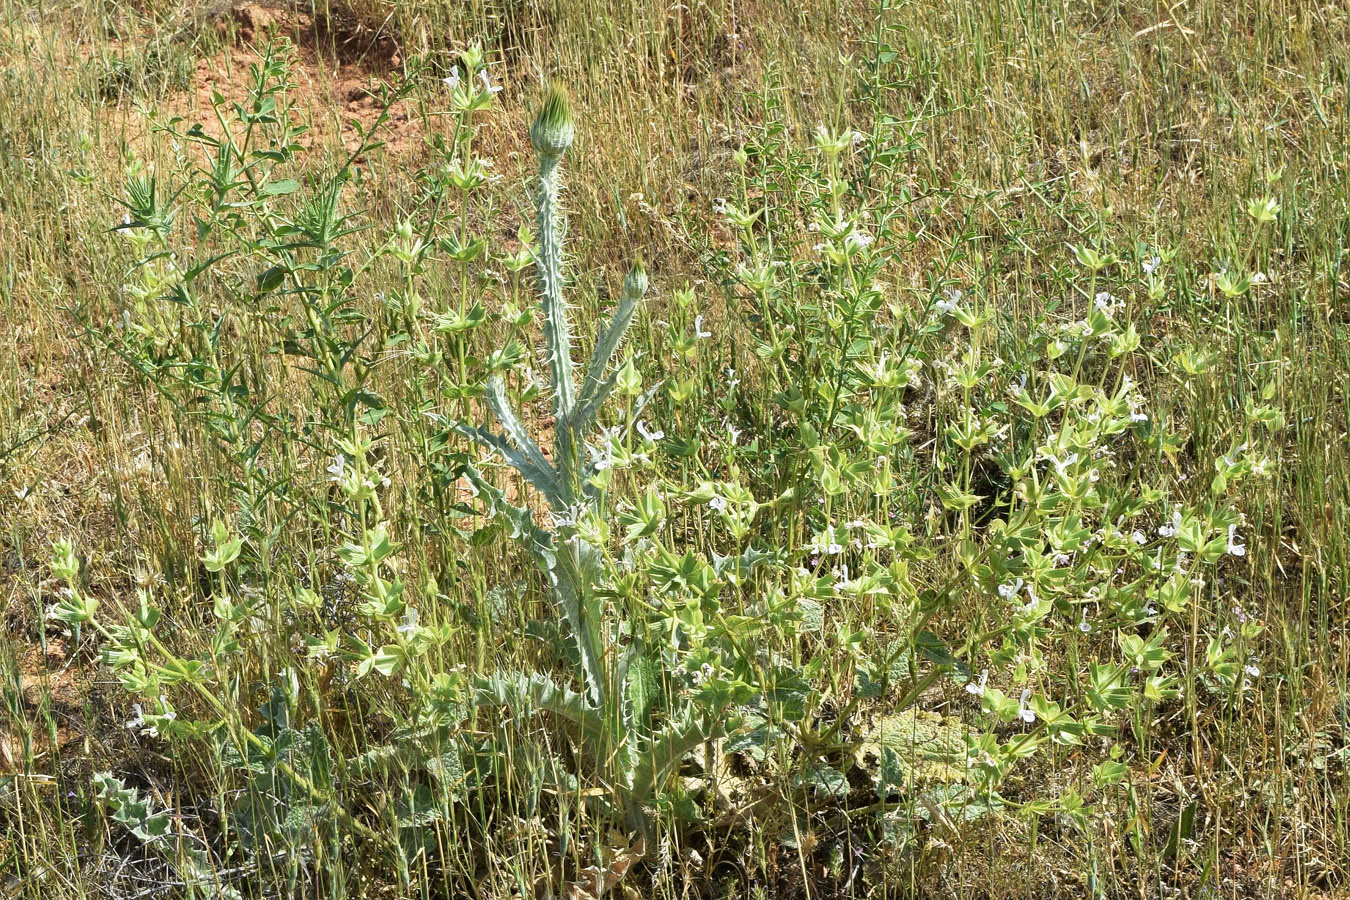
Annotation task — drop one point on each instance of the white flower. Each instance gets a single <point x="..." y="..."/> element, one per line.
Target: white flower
<point x="718" y="503"/>
<point x="1011" y="589"/>
<point x="1172" y="529"/>
<point x="856" y="240"/>
<point x="698" y="328"/>
<point x="1138" y="537"/>
<point x="138" y="716"/>
<point x="568" y="517"/>
<point x="1150" y="264"/>
<point x="733" y="432"/>
<point x="337" y="468"/>
<point x="652" y="436"/>
<point x="977" y="690"/>
<point x="1062" y="464"/>
<point x="451" y="81"/>
<point x="1259" y="278"/>
<point x="1138" y="417"/>
<point x="167" y="716"/>
<point x="947" y="305"/>
<point x="1083" y="625"/>
<point x="487" y="83"/>
<point x="407" y="626"/>
<point x="1252" y="671"/>
<point x="1023" y="711"/>
<point x="1233" y="459"/>
<point x="602" y="457"/>
<point x="1234" y="548"/>
<point x="1062" y="559"/>
<point x="1105" y="302"/>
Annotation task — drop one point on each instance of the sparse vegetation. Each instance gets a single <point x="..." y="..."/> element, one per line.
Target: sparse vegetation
<point x="858" y="449"/>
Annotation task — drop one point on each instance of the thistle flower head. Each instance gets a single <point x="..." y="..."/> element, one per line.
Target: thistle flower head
<point x="552" y="130"/>
<point x="635" y="282"/>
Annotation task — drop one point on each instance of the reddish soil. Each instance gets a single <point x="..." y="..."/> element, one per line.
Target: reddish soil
<point x="336" y="76"/>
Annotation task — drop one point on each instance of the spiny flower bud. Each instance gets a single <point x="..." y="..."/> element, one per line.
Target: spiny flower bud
<point x="635" y="283"/>
<point x="552" y="130"/>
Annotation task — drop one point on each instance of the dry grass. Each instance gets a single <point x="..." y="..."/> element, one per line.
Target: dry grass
<point x="1047" y="121"/>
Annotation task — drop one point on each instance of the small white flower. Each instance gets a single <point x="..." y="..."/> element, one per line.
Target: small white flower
<point x="337" y="468"/>
<point x="451" y="81"/>
<point x="856" y="240"/>
<point x="947" y="305"/>
<point x="168" y="716"/>
<point x="407" y="626"/>
<point x="1252" y="671"/>
<point x="1011" y="589"/>
<point x="487" y="83"/>
<point x="1062" y="559"/>
<point x="977" y="690"/>
<point x="652" y="436"/>
<point x="1259" y="278"/>
<point x="138" y="716"/>
<point x="568" y="518"/>
<point x="1023" y="711"/>
<point x="602" y="457"/>
<point x="1138" y="417"/>
<point x="733" y="432"/>
<point x="718" y="503"/>
<point x="1150" y="264"/>
<point x="1083" y="625"/>
<point x="698" y="328"/>
<point x="1235" y="548"/>
<point x="1172" y="529"/>
<point x="1062" y="464"/>
<point x="1138" y="537"/>
<point x="1105" y="302"/>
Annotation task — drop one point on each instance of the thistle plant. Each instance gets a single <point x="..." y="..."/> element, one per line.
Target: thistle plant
<point x="612" y="704"/>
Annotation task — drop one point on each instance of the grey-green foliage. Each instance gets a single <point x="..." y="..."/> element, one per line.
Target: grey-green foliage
<point x="609" y="714"/>
<point x="567" y="561"/>
<point x="134" y="811"/>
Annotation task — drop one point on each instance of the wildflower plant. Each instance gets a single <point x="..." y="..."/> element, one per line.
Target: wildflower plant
<point x="839" y="495"/>
<point x="613" y="712"/>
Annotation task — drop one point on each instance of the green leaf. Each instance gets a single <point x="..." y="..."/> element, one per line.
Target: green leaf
<point x="279" y="188"/>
